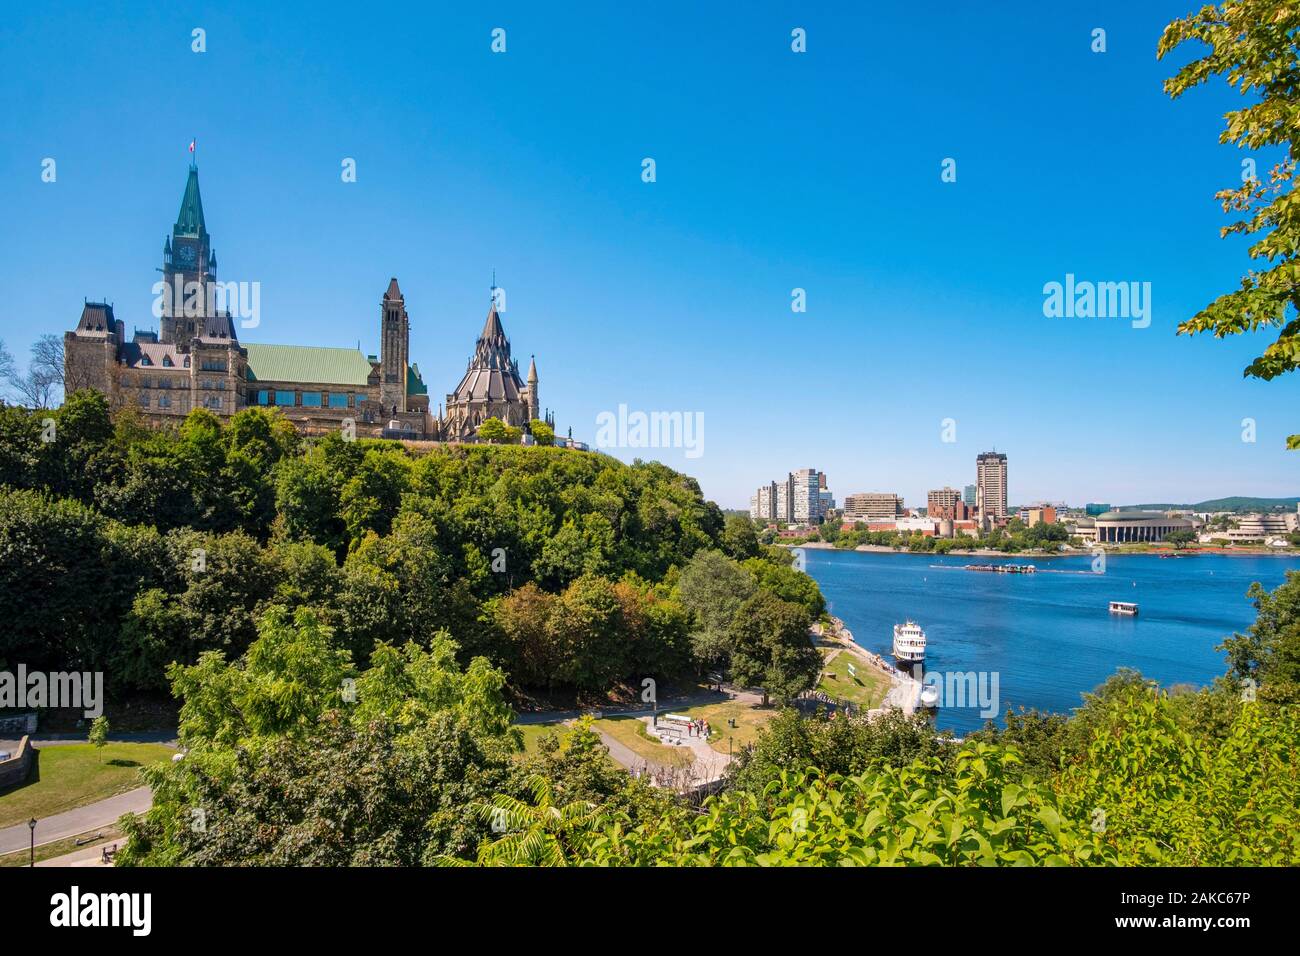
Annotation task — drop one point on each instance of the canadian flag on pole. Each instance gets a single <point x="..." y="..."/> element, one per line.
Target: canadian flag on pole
<point x="192" y="142"/>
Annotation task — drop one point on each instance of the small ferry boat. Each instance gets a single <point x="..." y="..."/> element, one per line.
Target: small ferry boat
<point x="909" y="643"/>
<point x="1124" y="607"/>
<point x="929" y="697"/>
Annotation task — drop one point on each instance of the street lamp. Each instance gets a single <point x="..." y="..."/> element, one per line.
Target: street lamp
<point x="31" y="825"/>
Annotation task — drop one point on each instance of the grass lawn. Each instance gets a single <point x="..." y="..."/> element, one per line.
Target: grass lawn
<point x="749" y="720"/>
<point x="632" y="734"/>
<point x="868" y="689"/>
<point x="533" y="734"/>
<point x="72" y="775"/>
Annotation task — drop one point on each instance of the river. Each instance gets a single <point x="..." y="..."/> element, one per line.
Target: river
<point x="1041" y="640"/>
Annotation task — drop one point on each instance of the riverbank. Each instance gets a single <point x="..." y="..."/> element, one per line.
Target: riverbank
<point x="1078" y="552"/>
<point x="974" y="552"/>
<point x="904" y="692"/>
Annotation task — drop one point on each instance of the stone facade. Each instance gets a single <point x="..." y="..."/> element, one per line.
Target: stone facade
<point x="196" y="360"/>
<point x="491" y="387"/>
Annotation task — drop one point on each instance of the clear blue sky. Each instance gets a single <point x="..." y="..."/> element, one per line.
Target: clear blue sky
<point x="775" y="171"/>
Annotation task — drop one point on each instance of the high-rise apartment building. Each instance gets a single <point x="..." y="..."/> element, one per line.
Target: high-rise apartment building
<point x="804" y="493"/>
<point x="762" y="503"/>
<point x="801" y="497"/>
<point x="991" y="484"/>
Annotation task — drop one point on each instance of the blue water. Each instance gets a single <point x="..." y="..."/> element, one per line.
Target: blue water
<point x="1049" y="635"/>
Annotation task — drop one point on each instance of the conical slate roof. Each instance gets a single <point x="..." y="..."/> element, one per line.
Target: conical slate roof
<point x="492" y="375"/>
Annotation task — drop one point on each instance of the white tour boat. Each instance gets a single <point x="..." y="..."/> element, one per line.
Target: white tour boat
<point x="1124" y="607"/>
<point x="909" y="643"/>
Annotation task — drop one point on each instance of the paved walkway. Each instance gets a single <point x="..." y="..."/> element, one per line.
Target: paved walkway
<point x="904" y="693"/>
<point x="86" y="856"/>
<point x="72" y="823"/>
<point x="708" y="765"/>
<point x="665" y="706"/>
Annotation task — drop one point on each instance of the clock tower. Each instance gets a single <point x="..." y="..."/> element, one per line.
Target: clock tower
<point x="189" y="268"/>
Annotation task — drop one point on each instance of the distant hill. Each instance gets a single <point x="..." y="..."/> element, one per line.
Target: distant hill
<point x="1235" y="503"/>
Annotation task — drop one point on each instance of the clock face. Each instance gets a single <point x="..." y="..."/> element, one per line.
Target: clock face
<point x="186" y="255"/>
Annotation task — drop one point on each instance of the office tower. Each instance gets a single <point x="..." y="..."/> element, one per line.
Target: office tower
<point x="991" y="484"/>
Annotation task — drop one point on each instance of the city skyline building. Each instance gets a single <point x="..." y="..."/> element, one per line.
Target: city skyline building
<point x="991" y="484"/>
<point x="873" y="506"/>
<point x="942" y="502"/>
<point x="802" y="497"/>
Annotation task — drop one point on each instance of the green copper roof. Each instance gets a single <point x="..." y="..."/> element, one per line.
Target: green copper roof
<point x="414" y="384"/>
<point x="189" y="222"/>
<point x="306" y="364"/>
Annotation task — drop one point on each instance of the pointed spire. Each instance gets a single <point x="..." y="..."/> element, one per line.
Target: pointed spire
<point x="189" y="222"/>
<point x="492" y="329"/>
<point x="167" y="246"/>
<point x="394" y="291"/>
<point x="532" y="370"/>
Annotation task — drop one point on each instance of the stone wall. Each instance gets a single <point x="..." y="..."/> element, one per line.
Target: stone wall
<point x="18" y="725"/>
<point x="16" y="769"/>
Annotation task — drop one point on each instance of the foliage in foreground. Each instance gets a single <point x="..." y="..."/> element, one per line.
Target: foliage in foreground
<point x="1252" y="45"/>
<point x="1146" y="792"/>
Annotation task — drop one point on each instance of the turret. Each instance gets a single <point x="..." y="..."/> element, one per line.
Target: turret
<point x="533" y="404"/>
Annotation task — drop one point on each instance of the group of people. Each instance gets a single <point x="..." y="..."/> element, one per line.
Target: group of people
<point x="698" y="728"/>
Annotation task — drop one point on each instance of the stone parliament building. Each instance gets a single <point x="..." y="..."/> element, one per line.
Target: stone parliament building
<point x="196" y="360"/>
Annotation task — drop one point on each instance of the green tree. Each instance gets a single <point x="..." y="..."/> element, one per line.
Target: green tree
<point x="713" y="587"/>
<point x="788" y="584"/>
<point x="523" y="616"/>
<point x="1161" y="794"/>
<point x="771" y="649"/>
<point x="841" y="746"/>
<point x="1268" y="654"/>
<point x="99" y="729"/>
<point x="588" y="627"/>
<point x="492" y="430"/>
<point x="739" y="539"/>
<point x="537" y="833"/>
<point x="542" y="433"/>
<point x="1252" y="44"/>
<point x="346" y="795"/>
<point x="369" y="500"/>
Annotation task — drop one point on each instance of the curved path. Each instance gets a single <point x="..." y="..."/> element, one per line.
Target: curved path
<point x="72" y="823"/>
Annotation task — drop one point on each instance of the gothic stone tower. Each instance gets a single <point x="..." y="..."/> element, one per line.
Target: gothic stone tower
<point x="394" y="346"/>
<point x="189" y="267"/>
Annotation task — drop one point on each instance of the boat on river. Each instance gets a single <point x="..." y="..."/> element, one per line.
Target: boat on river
<point x="909" y="643"/>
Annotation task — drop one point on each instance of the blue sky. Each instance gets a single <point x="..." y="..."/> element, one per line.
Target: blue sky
<point x="775" y="170"/>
